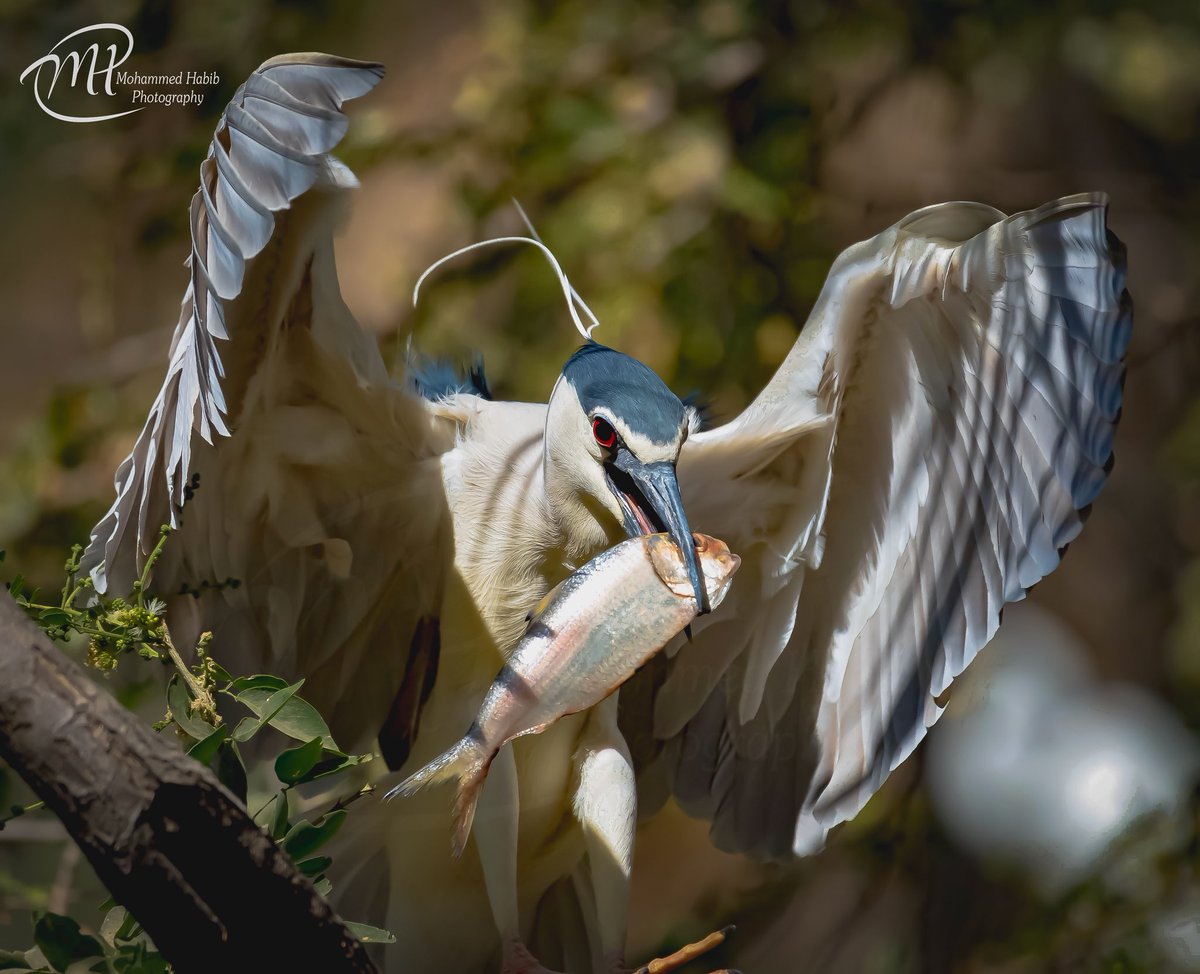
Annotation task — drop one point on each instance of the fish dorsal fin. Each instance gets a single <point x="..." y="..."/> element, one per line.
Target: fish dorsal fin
<point x="534" y="614"/>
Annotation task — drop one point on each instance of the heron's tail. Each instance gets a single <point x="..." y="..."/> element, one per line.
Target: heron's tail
<point x="466" y="763"/>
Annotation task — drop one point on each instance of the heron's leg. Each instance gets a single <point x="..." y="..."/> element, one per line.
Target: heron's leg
<point x="496" y="821"/>
<point x="606" y="807"/>
<point x="495" y="832"/>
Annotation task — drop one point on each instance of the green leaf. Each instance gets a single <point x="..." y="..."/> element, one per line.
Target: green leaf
<point x="305" y="838"/>
<point x="62" y="942"/>
<point x="129" y="929"/>
<point x="260" y="681"/>
<point x="247" y="727"/>
<point x="273" y="816"/>
<point x="273" y="709"/>
<point x="297" y="718"/>
<point x="137" y="958"/>
<point x="114" y="919"/>
<point x="335" y="764"/>
<point x="36" y="959"/>
<point x="371" y="935"/>
<point x="314" y="866"/>
<point x="180" y="702"/>
<point x="204" y="751"/>
<point x="54" y="618"/>
<point x="231" y="770"/>
<point x="293" y="764"/>
<point x="323" y="886"/>
<point x="13" y="960"/>
<point x="279" y="821"/>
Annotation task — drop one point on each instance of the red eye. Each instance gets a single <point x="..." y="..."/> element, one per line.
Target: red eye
<point x="605" y="435"/>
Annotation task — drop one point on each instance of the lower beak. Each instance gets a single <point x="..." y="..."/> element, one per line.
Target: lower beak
<point x="655" y="504"/>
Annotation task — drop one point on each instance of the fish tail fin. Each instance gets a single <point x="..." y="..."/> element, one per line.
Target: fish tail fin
<point x="466" y="763"/>
<point x="470" y="783"/>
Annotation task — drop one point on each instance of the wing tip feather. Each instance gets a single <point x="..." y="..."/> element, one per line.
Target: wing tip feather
<point x="321" y="59"/>
<point x="195" y="406"/>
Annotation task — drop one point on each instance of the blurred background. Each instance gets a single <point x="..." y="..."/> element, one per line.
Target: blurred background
<point x="696" y="167"/>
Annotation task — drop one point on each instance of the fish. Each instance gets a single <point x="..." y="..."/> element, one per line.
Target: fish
<point x="586" y="637"/>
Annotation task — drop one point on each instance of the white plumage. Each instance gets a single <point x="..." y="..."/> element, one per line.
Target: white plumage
<point x="920" y="459"/>
<point x="963" y="375"/>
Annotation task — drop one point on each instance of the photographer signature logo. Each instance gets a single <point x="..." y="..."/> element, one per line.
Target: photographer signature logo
<point x="94" y="64"/>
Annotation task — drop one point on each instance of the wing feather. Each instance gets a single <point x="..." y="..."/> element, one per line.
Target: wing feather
<point x="267" y="151"/>
<point x="922" y="457"/>
<point x="320" y="533"/>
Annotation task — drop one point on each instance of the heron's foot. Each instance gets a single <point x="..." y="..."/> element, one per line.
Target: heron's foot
<point x="684" y="955"/>
<point x="517" y="959"/>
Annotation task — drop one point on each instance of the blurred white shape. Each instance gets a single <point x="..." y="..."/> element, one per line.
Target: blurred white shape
<point x="1038" y="764"/>
<point x="1177" y="934"/>
<point x="1099" y="793"/>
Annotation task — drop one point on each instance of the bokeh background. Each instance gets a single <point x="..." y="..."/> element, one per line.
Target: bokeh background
<point x="696" y="167"/>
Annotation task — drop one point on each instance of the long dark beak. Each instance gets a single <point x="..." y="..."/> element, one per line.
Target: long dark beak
<point x="649" y="496"/>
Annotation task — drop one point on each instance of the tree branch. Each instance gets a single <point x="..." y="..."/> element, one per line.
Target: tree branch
<point x="168" y="840"/>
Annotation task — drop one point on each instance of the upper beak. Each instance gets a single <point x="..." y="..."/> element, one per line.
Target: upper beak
<point x="654" y="504"/>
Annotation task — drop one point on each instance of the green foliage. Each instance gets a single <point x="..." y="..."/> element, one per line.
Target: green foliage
<point x="61" y="941"/>
<point x="272" y="699"/>
<point x="306" y="838"/>
<point x="293" y="764"/>
<point x="201" y="701"/>
<point x="63" y="948"/>
<point x="371" y="935"/>
<point x="114" y="626"/>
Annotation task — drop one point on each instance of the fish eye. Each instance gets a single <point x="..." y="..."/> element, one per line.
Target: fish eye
<point x="605" y="435"/>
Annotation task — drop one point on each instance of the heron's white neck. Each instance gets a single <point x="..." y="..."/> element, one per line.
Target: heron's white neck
<point x="519" y="528"/>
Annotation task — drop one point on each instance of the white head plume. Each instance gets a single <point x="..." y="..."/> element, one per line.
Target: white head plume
<point x="574" y="302"/>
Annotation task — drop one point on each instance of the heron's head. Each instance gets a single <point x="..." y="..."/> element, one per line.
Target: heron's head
<point x="613" y="435"/>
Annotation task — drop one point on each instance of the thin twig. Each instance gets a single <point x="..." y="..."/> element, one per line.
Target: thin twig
<point x="204" y="699"/>
<point x="18" y="811"/>
<point x="139" y="587"/>
<point x="351" y="799"/>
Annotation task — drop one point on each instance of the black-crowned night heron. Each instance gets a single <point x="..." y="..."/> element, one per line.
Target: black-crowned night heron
<point x="922" y="457"/>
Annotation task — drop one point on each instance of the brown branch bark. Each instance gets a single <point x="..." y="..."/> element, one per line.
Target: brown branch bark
<point x="168" y="840"/>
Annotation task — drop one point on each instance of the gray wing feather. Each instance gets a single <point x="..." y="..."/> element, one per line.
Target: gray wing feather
<point x="270" y="147"/>
<point x="924" y="455"/>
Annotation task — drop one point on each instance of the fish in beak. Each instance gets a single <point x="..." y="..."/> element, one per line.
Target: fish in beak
<point x="649" y="497"/>
<point x="588" y="636"/>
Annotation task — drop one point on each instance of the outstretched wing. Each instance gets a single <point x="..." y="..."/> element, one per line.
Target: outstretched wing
<point x="308" y="464"/>
<point x="270" y="147"/>
<point x="923" y="456"/>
